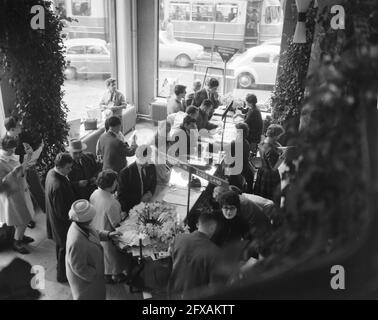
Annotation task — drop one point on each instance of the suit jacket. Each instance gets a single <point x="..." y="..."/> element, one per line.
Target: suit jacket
<point x="118" y="100"/>
<point x="202" y="95"/>
<point x="195" y="264"/>
<point x="59" y="199"/>
<point x="114" y="151"/>
<point x="174" y="106"/>
<point x="86" y="169"/>
<point x="203" y="121"/>
<point x="130" y="185"/>
<point x="255" y="125"/>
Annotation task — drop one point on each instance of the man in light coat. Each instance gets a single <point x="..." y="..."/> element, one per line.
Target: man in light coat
<point x="85" y="255"/>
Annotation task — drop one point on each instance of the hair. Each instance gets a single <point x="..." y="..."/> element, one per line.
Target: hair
<point x="8" y="143"/>
<point x="213" y="83"/>
<point x="197" y="82"/>
<point x="205" y="218"/>
<point x="251" y="98"/>
<point x="188" y="120"/>
<point x="207" y="104"/>
<point x="106" y="178"/>
<point x="10" y="123"/>
<point x="243" y="126"/>
<point x="179" y="89"/>
<point x="191" y="110"/>
<point x="62" y="159"/>
<point x="109" y="82"/>
<point x="230" y="198"/>
<point x="274" y="130"/>
<point x="113" y="122"/>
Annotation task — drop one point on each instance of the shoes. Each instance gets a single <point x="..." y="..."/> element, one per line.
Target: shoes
<point x="109" y="279"/>
<point x="31" y="224"/>
<point x="18" y="246"/>
<point x="120" y="278"/>
<point x="27" y="240"/>
<point x="62" y="279"/>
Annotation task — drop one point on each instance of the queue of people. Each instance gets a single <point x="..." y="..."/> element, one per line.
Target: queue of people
<point x="86" y="197"/>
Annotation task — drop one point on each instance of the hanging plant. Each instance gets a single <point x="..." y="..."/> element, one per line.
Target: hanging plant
<point x="33" y="62"/>
<point x="289" y="91"/>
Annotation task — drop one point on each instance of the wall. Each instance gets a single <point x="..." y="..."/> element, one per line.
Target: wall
<point x="147" y="53"/>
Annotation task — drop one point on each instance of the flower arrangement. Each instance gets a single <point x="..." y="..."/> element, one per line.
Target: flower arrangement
<point x="159" y="222"/>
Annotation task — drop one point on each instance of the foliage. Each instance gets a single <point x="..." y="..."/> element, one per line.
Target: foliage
<point x="34" y="63"/>
<point x="289" y="91"/>
<point x="325" y="206"/>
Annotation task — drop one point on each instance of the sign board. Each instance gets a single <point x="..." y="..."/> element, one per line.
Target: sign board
<point x="226" y="53"/>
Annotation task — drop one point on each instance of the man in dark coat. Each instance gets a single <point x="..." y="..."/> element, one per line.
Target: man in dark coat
<point x="254" y="122"/>
<point x="209" y="93"/>
<point x="196" y="260"/>
<point x="113" y="149"/>
<point x="205" y="112"/>
<point x="84" y="170"/>
<point x="59" y="198"/>
<point x="137" y="183"/>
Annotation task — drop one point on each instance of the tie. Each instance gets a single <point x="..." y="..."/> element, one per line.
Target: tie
<point x="112" y="97"/>
<point x="144" y="182"/>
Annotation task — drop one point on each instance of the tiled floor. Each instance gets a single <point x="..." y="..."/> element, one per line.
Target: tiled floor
<point x="43" y="249"/>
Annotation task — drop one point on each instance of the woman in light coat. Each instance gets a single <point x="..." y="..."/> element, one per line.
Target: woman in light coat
<point x="108" y="218"/>
<point x="16" y="207"/>
<point x="84" y="254"/>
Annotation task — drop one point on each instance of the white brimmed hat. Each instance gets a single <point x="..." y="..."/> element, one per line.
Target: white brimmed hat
<point x="82" y="211"/>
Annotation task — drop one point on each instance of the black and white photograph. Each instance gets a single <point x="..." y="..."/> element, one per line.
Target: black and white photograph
<point x="206" y="151"/>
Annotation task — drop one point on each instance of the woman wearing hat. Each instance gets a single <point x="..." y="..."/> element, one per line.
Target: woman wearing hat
<point x="109" y="217"/>
<point x="16" y="207"/>
<point x="84" y="254"/>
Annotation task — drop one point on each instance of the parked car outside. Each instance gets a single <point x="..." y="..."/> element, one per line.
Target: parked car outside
<point x="256" y="66"/>
<point x="179" y="53"/>
<point x="92" y="56"/>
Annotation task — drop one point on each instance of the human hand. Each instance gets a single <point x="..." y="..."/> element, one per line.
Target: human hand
<point x="147" y="197"/>
<point x="28" y="149"/>
<point x="83" y="183"/>
<point x="113" y="235"/>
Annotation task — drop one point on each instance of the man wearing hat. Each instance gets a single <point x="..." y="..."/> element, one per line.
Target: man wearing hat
<point x="84" y="253"/>
<point x="84" y="170"/>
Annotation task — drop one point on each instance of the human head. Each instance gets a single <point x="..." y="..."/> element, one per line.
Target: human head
<point x="111" y="84"/>
<point x="114" y="124"/>
<point x="217" y="192"/>
<point x="107" y="180"/>
<point x="244" y="127"/>
<point x="143" y="156"/>
<point x="192" y="111"/>
<point x="230" y="204"/>
<point x="180" y="91"/>
<point x="13" y="126"/>
<point x="207" y="223"/>
<point x="63" y="162"/>
<point x="207" y="106"/>
<point x="189" y="123"/>
<point x="82" y="212"/>
<point x="275" y="131"/>
<point x="76" y="149"/>
<point x="251" y="99"/>
<point x="213" y="85"/>
<point x="9" y="144"/>
<point x="197" y="85"/>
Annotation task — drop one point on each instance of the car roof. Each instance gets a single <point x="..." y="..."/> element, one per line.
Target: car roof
<point x="84" y="42"/>
<point x="264" y="48"/>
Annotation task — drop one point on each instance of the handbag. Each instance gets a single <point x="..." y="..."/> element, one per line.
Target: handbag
<point x="6" y="236"/>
